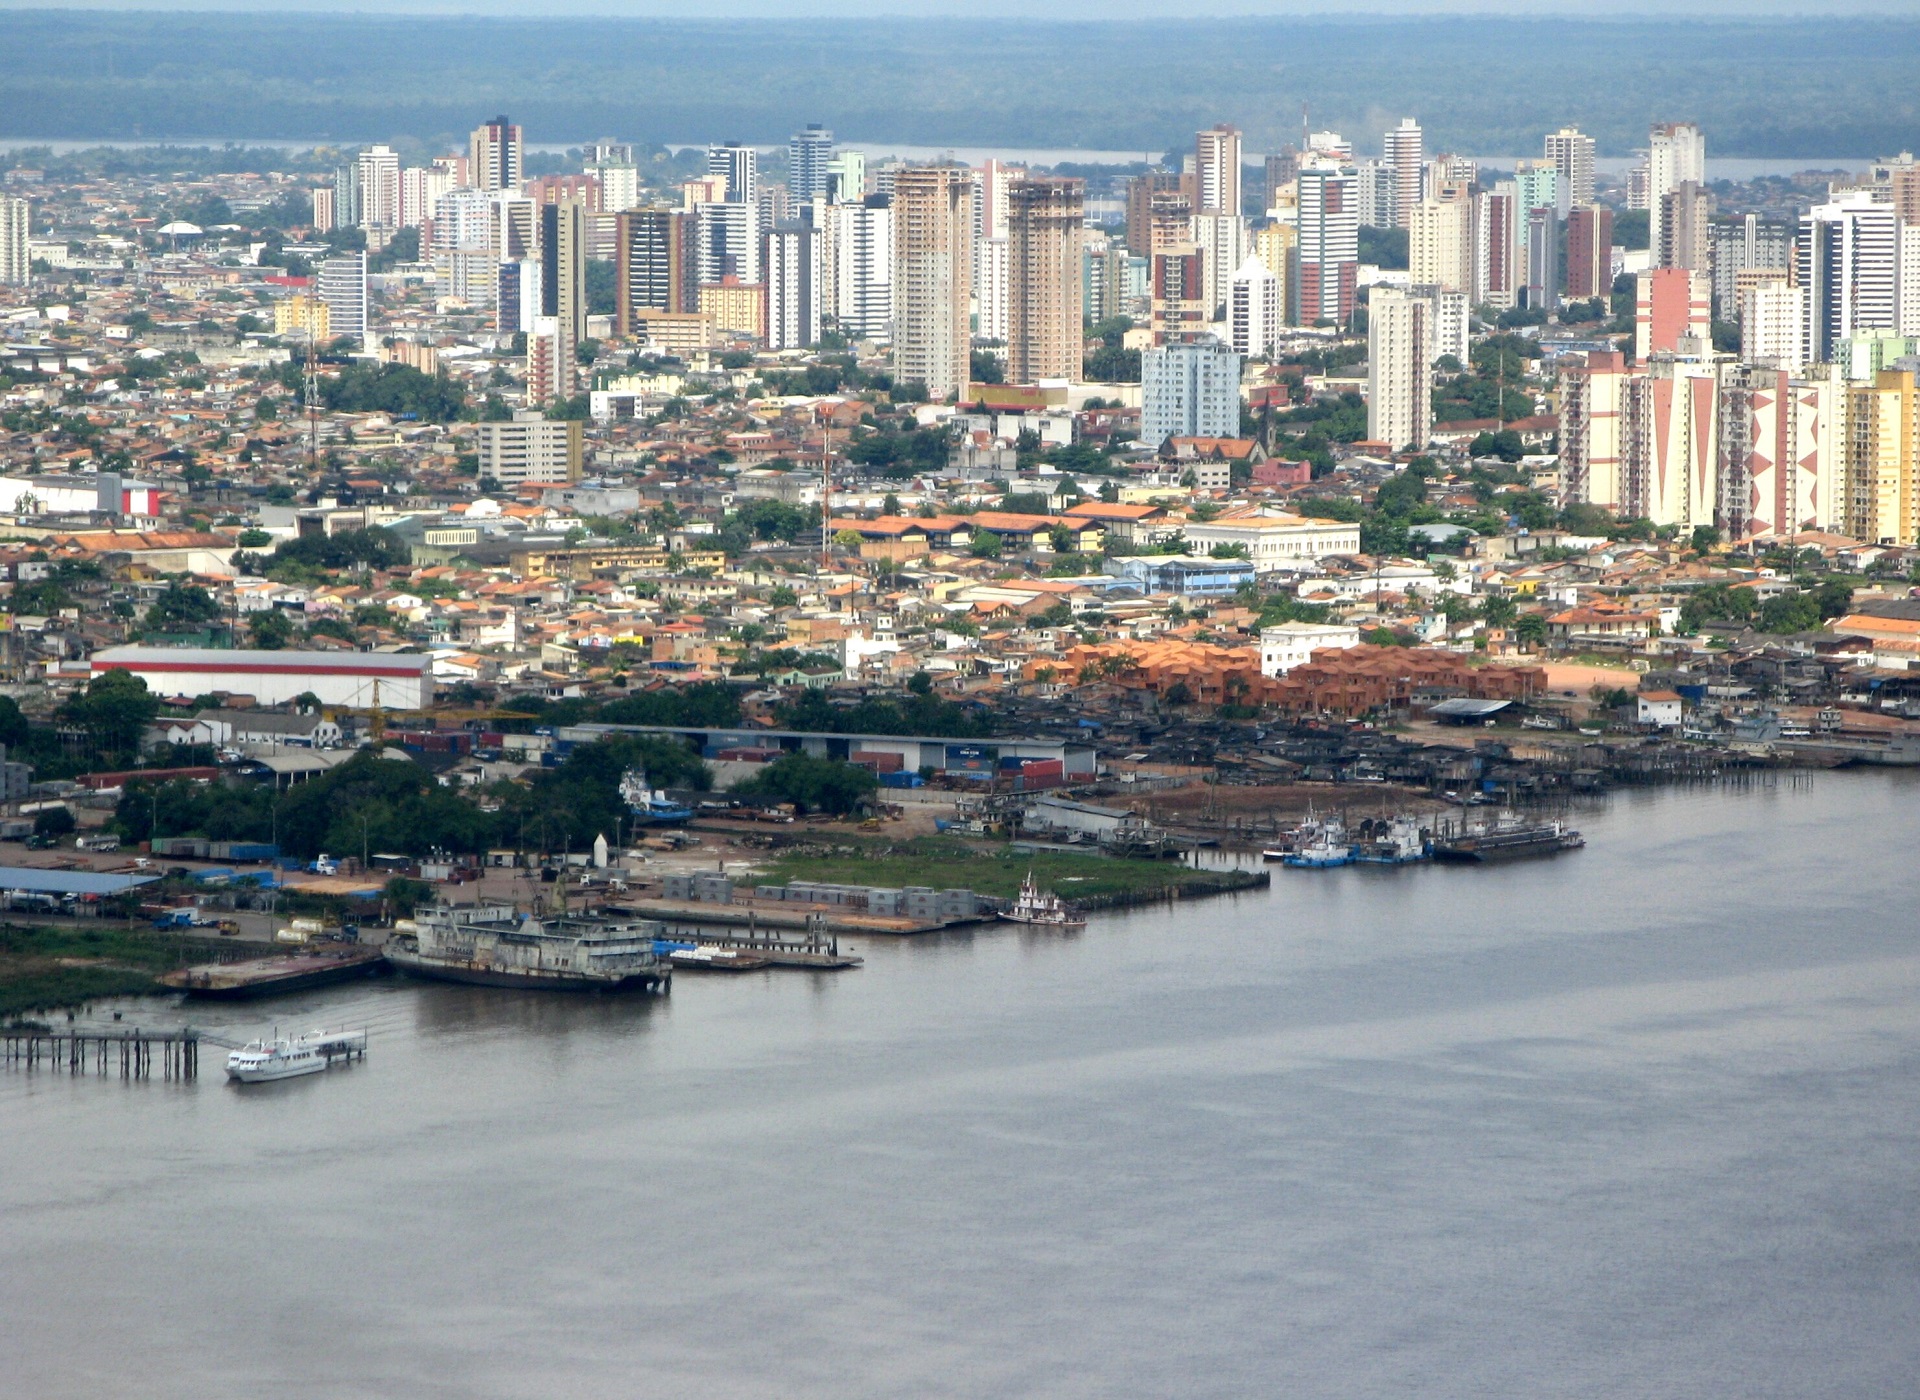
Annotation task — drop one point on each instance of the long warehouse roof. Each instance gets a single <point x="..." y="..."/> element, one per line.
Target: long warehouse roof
<point x="356" y="663"/>
<point x="34" y="880"/>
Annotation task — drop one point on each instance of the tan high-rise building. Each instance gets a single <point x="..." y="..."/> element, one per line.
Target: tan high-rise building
<point x="1571" y="153"/>
<point x="1399" y="369"/>
<point x="1404" y="152"/>
<point x="1141" y="190"/>
<point x="1883" y="459"/>
<point x="495" y="156"/>
<point x="1216" y="171"/>
<point x="933" y="277"/>
<point x="1170" y="223"/>
<point x="1440" y="244"/>
<point x="1045" y="230"/>
<point x="1685" y="213"/>
<point x="1275" y="246"/>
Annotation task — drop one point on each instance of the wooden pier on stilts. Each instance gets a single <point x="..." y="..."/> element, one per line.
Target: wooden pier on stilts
<point x="134" y="1054"/>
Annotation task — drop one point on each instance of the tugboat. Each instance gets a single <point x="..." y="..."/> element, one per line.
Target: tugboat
<point x="1045" y="910"/>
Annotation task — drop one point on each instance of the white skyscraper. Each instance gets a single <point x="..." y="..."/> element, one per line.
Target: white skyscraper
<point x="1253" y="309"/>
<point x="1448" y="320"/>
<point x="809" y="155"/>
<point x="862" y="301"/>
<point x="739" y="165"/>
<point x="794" y="286"/>
<point x="619" y="185"/>
<point x="1773" y="319"/>
<point x="1216" y="171"/>
<point x="16" y="263"/>
<point x="420" y="189"/>
<point x="990" y="287"/>
<point x="1399" y="369"/>
<point x="1676" y="152"/>
<point x="1223" y="243"/>
<point x="728" y="240"/>
<point x="379" y="176"/>
<point x="1189" y="389"/>
<point x="1849" y="268"/>
<point x="1404" y="151"/>
<point x="343" y="287"/>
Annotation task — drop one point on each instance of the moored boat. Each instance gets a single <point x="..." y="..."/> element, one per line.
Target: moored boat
<point x="262" y="977"/>
<point x="1043" y="909"/>
<point x="1508" y="839"/>
<point x="289" y="1057"/>
<point x="498" y="946"/>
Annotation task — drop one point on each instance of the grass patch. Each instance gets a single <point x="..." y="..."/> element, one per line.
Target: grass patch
<point x="946" y="864"/>
<point x="43" y="968"/>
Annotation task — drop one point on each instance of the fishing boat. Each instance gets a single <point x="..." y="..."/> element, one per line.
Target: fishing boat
<point x="1322" y="845"/>
<point x="1042" y="909"/>
<point x="288" y="1057"/>
<point x="1392" y="841"/>
<point x="651" y="806"/>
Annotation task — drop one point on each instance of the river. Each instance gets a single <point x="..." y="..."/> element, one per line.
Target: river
<point x="1641" y="1120"/>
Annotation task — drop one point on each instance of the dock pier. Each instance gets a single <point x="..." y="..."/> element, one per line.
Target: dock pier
<point x="133" y="1052"/>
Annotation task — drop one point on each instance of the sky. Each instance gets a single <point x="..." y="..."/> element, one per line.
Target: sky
<point x="1068" y="10"/>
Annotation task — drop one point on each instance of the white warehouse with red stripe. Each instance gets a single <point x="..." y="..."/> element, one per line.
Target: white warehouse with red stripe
<point x="354" y="679"/>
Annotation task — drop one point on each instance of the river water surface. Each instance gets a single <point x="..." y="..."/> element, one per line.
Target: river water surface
<point x="1642" y="1120"/>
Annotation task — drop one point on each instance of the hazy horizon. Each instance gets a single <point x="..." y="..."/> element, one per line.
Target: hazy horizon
<point x="1060" y="12"/>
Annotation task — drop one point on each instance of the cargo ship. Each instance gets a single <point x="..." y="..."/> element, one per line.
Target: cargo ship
<point x="265" y="977"/>
<point x="1508" y="840"/>
<point x="500" y="946"/>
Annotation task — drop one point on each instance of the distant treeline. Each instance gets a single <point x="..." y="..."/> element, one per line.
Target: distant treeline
<point x="1787" y="88"/>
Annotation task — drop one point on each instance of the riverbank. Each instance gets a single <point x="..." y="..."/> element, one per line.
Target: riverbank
<point x="1092" y="882"/>
<point x="52" y="967"/>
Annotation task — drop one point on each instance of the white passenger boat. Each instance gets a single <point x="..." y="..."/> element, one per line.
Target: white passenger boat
<point x="288" y="1057"/>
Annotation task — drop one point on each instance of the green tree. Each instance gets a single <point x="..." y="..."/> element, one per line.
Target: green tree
<point x="816" y="784"/>
<point x="184" y="607"/>
<point x="270" y="630"/>
<point x="114" y="709"/>
<point x="984" y="544"/>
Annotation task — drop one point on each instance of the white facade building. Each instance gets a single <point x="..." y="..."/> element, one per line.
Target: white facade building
<point x="343" y="287"/>
<point x="1189" y="389"/>
<point x="1294" y="643"/>
<point x="1676" y="153"/>
<point x="1772" y="321"/>
<point x="862" y="270"/>
<point x="1277" y="543"/>
<point x="1849" y="267"/>
<point x="531" y="447"/>
<point x="794" y="285"/>
<point x="1253" y="309"/>
<point x="379" y="176"/>
<point x="16" y="263"/>
<point x="356" y="680"/>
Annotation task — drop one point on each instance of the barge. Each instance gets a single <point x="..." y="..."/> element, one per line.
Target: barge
<point x="265" y="977"/>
